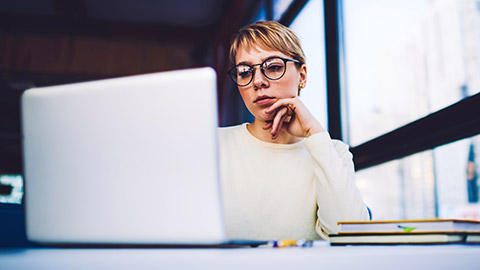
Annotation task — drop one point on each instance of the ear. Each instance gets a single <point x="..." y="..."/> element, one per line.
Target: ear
<point x="302" y="79"/>
<point x="303" y="76"/>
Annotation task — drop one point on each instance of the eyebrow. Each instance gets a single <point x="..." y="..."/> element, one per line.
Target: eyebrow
<point x="262" y="60"/>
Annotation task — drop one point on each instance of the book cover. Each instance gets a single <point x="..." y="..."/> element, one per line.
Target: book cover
<point x="397" y="238"/>
<point x="421" y="225"/>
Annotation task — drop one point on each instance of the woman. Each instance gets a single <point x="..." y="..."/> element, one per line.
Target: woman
<point x="282" y="175"/>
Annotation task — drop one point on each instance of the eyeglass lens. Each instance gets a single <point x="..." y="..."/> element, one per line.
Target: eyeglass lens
<point x="273" y="69"/>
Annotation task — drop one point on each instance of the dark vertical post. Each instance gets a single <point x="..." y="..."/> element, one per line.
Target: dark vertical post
<point x="332" y="56"/>
<point x="269" y="9"/>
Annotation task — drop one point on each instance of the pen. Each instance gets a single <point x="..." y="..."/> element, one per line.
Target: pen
<point x="290" y="243"/>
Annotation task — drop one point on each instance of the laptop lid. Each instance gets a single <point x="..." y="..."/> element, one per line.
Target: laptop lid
<point x="129" y="160"/>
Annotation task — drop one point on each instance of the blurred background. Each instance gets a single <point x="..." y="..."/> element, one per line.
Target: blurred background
<point x="397" y="80"/>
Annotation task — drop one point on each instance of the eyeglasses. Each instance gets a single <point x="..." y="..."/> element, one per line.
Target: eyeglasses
<point x="273" y="69"/>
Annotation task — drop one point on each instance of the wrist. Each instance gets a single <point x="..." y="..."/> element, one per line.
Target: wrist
<point x="314" y="130"/>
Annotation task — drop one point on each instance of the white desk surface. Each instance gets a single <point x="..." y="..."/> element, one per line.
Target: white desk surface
<point x="320" y="257"/>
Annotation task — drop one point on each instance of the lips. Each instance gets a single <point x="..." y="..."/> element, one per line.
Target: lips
<point x="263" y="100"/>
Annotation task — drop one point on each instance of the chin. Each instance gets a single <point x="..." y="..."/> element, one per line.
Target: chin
<point x="264" y="117"/>
<point x="260" y="115"/>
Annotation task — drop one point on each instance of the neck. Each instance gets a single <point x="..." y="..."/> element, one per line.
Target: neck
<point x="256" y="129"/>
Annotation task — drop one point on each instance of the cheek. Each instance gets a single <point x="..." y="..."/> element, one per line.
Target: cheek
<point x="287" y="89"/>
<point x="289" y="86"/>
<point x="244" y="94"/>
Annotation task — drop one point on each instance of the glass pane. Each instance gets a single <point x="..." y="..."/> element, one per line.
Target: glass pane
<point x="407" y="58"/>
<point x="401" y="189"/>
<point x="440" y="183"/>
<point x="279" y="7"/>
<point x="309" y="27"/>
<point x="457" y="170"/>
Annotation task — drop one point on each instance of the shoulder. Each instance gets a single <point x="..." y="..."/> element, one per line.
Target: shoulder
<point x="231" y="133"/>
<point x="231" y="129"/>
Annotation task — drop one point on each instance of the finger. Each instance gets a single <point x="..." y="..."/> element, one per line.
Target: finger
<point x="290" y="110"/>
<point x="281" y="103"/>
<point x="268" y="125"/>
<point x="280" y="125"/>
<point x="277" y="120"/>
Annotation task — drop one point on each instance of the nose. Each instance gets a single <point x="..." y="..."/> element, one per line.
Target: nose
<point x="259" y="80"/>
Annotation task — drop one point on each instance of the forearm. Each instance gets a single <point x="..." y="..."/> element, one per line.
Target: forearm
<point x="338" y="198"/>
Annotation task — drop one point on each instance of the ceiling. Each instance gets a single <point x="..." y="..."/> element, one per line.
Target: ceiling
<point x="34" y="28"/>
<point x="138" y="19"/>
<point x="191" y="13"/>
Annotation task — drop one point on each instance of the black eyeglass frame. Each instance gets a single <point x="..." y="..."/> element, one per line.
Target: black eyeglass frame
<point x="285" y="60"/>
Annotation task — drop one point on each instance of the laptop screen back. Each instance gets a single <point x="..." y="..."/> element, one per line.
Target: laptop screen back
<point x="130" y="160"/>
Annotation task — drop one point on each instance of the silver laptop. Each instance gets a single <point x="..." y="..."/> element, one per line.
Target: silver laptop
<point x="128" y="161"/>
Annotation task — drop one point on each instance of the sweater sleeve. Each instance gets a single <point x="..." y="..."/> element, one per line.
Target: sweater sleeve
<point x="338" y="198"/>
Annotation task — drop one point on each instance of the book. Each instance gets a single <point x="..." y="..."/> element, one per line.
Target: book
<point x="473" y="238"/>
<point x="400" y="238"/>
<point x="420" y="225"/>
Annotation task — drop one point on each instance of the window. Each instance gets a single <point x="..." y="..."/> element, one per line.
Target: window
<point x="456" y="174"/>
<point x="403" y="61"/>
<point x="406" y="59"/>
<point x="279" y="8"/>
<point x="308" y="25"/>
<point x="400" y="189"/>
<point x="440" y="183"/>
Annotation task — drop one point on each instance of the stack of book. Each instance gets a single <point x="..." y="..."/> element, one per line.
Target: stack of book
<point x="425" y="231"/>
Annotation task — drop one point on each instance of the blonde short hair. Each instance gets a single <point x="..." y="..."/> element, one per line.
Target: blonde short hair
<point x="268" y="35"/>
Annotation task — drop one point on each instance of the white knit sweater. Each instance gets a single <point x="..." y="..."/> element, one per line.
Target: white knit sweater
<point x="286" y="191"/>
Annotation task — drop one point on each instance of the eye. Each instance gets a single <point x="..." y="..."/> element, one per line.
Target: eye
<point x="244" y="71"/>
<point x="244" y="74"/>
<point x="275" y="67"/>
